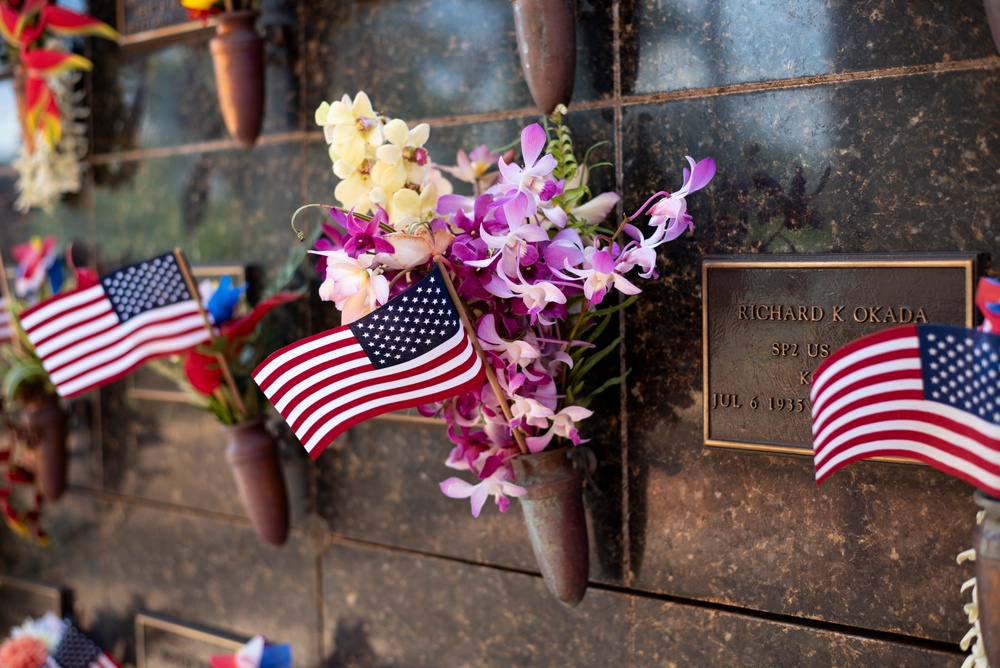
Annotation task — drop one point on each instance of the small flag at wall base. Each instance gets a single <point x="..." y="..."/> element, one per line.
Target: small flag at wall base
<point x="96" y="334"/>
<point x="410" y="351"/>
<point x="924" y="392"/>
<point x="76" y="650"/>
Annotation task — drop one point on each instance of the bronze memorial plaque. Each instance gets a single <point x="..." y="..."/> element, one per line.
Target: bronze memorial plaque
<point x="21" y="598"/>
<point x="770" y="320"/>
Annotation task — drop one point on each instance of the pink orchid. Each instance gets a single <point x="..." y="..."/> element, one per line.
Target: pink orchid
<point x="673" y="207"/>
<point x="517" y="352"/>
<point x="528" y="188"/>
<point x="352" y="284"/>
<point x="495" y="484"/>
<point x="564" y="425"/>
<point x="599" y="271"/>
<point x="532" y="412"/>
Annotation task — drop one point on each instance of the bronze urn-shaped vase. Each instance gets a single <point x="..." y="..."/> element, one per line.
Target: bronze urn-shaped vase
<point x="238" y="57"/>
<point x="557" y="524"/>
<point x="42" y="425"/>
<point x="254" y="458"/>
<point x="546" y="41"/>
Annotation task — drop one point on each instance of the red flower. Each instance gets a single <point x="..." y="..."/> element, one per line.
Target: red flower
<point x="203" y="370"/>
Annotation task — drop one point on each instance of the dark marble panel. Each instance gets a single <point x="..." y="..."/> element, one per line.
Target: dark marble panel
<point x="68" y="221"/>
<point x="152" y="98"/>
<point x="218" y="574"/>
<point x="166" y="96"/>
<point x="433" y="59"/>
<point x="171" y="452"/>
<point x="690" y="44"/>
<point x="383" y="608"/>
<point x="76" y="557"/>
<point x="230" y="207"/>
<point x="679" y="635"/>
<point x="889" y="165"/>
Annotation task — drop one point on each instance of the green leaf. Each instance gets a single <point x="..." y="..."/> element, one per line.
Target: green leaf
<point x="611" y="382"/>
<point x="580" y="371"/>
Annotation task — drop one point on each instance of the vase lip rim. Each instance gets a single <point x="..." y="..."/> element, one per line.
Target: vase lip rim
<point x="237" y="13"/>
<point x="983" y="499"/>
<point x="249" y="422"/>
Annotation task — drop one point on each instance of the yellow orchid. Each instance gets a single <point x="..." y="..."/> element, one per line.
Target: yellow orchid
<point x="351" y="126"/>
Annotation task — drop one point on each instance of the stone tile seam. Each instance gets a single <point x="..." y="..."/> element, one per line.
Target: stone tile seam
<point x="988" y="63"/>
<point x="632" y="592"/>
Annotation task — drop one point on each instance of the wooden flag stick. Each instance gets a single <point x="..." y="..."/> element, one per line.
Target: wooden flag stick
<point x="193" y="289"/>
<point x="490" y="376"/>
<point x="15" y="329"/>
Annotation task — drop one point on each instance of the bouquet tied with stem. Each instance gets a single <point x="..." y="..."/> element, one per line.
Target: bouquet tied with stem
<point x="538" y="269"/>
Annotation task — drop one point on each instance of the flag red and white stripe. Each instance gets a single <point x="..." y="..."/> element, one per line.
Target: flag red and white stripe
<point x="94" y="335"/>
<point x="923" y="392"/>
<point x="408" y="352"/>
<point x="6" y="327"/>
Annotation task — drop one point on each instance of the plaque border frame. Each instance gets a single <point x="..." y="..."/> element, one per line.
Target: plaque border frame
<point x="160" y="36"/>
<point x="144" y="620"/>
<point x="971" y="262"/>
<point x="61" y="597"/>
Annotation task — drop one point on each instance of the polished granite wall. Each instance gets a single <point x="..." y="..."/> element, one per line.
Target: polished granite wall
<point x="837" y="127"/>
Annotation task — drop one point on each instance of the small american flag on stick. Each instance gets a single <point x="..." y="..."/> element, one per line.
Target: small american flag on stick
<point x="96" y="334"/>
<point x="924" y="392"/>
<point x="412" y="350"/>
<point x="76" y="650"/>
<point x="6" y="327"/>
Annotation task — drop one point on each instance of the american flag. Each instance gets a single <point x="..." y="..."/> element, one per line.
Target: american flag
<point x="6" y="330"/>
<point x="94" y="335"/>
<point x="924" y="392"/>
<point x="76" y="650"/>
<point x="410" y="351"/>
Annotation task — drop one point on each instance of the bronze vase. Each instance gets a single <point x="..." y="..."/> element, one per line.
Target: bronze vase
<point x="986" y="540"/>
<point x="557" y="525"/>
<point x="43" y="426"/>
<point x="256" y="464"/>
<point x="546" y="41"/>
<point x="993" y="20"/>
<point x="238" y="57"/>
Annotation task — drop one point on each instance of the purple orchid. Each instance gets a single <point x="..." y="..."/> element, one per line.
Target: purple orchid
<point x="528" y="189"/>
<point x="363" y="236"/>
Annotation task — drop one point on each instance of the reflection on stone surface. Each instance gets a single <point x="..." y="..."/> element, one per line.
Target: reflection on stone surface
<point x="433" y="59"/>
<point x="690" y="44"/>
<point x="219" y="207"/>
<point x="201" y="570"/>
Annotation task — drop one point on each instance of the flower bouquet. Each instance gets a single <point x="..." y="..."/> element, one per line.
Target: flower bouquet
<point x="35" y="458"/>
<point x="45" y="75"/>
<point x="215" y="377"/>
<point x="539" y="273"/>
<point x="238" y="59"/>
<point x="53" y="643"/>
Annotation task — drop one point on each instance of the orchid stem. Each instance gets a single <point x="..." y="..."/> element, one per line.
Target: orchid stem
<point x="298" y="233"/>
<point x="642" y="208"/>
<point x="329" y="207"/>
